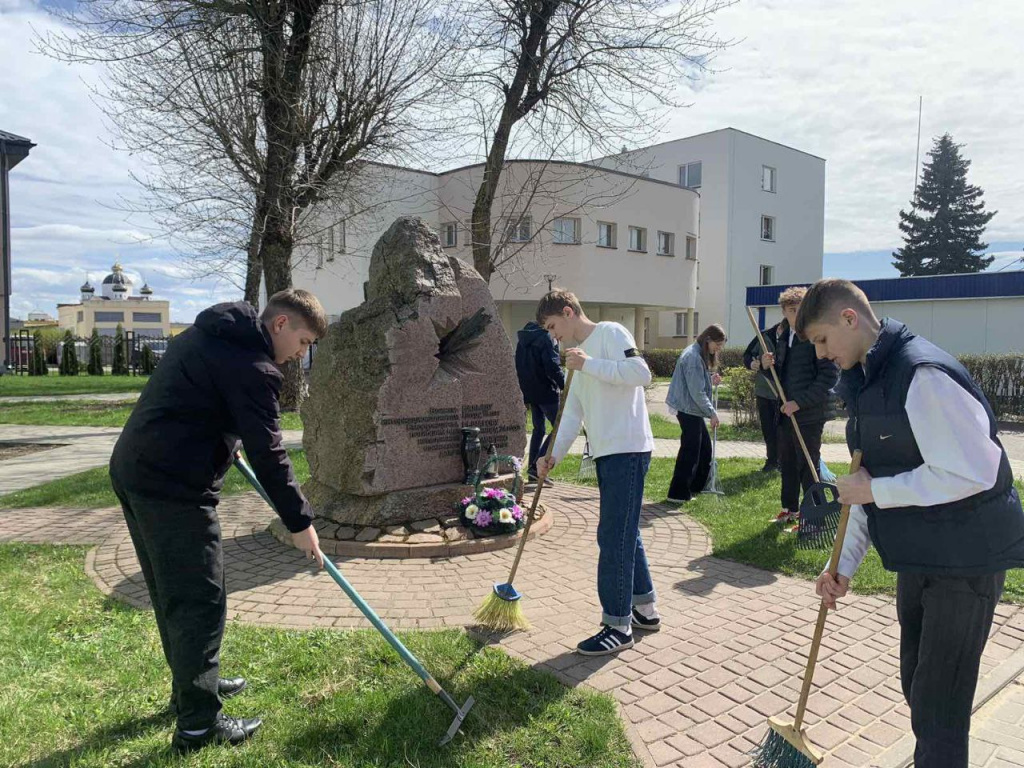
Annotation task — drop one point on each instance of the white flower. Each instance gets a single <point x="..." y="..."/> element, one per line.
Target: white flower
<point x="505" y="515"/>
<point x="471" y="511"/>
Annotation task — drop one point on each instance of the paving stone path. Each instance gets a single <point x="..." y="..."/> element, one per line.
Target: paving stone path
<point x="695" y="694"/>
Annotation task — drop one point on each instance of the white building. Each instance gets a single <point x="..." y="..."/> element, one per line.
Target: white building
<point x="762" y="216"/>
<point x="660" y="239"/>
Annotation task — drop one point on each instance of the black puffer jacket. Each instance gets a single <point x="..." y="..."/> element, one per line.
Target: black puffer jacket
<point x="540" y="377"/>
<point x="216" y="384"/>
<point x="805" y="378"/>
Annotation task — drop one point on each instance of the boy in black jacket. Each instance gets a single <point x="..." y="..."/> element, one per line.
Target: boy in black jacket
<point x="541" y="380"/>
<point x="935" y="495"/>
<point x="806" y="382"/>
<point x="217" y="383"/>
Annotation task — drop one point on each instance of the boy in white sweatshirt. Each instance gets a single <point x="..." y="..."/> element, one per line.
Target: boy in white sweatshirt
<point x="607" y="393"/>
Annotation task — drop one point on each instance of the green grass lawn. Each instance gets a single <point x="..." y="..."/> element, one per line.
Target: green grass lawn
<point x="91" y="489"/>
<point x="740" y="529"/>
<point x="85" y="685"/>
<point x="87" y="413"/>
<point x="83" y="384"/>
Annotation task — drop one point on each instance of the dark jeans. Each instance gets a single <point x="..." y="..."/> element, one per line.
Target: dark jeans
<point x="793" y="464"/>
<point x="623" y="578"/>
<point x="693" y="462"/>
<point x="768" y="414"/>
<point x="539" y="438"/>
<point x="179" y="550"/>
<point x="944" y="623"/>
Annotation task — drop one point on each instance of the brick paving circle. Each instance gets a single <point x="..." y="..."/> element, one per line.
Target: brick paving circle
<point x="696" y="694"/>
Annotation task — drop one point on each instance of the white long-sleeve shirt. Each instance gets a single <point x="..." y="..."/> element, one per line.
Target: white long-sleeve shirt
<point x="608" y="396"/>
<point x="960" y="459"/>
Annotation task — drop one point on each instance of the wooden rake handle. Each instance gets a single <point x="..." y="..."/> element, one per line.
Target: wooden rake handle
<point x="833" y="568"/>
<point x="540" y="482"/>
<point x="782" y="398"/>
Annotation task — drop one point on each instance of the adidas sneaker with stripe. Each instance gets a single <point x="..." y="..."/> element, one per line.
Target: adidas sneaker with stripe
<point x="608" y="640"/>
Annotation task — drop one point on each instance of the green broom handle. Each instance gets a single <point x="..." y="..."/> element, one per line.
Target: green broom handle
<point x="782" y="397"/>
<point x="833" y="569"/>
<point x="540" y="484"/>
<point x="356" y="598"/>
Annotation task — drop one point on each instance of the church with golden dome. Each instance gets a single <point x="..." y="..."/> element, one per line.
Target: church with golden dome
<point x="116" y="304"/>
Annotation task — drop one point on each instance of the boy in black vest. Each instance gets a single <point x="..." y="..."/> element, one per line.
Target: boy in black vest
<point x="935" y="496"/>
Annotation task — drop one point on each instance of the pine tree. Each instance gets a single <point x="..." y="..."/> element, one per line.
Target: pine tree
<point x="147" y="362"/>
<point x="943" y="230"/>
<point x="37" y="365"/>
<point x="68" y="356"/>
<point x="120" y="365"/>
<point x="95" y="354"/>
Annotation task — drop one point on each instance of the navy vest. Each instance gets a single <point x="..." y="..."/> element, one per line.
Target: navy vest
<point x="981" y="534"/>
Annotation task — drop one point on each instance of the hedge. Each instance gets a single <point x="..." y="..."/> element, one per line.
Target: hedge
<point x="662" y="362"/>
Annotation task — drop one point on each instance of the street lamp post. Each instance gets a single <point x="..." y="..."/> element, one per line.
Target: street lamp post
<point x="550" y="279"/>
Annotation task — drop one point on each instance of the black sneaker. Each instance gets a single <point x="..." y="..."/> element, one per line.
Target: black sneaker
<point x="770" y="466"/>
<point x="608" y="640"/>
<point x="225" y="730"/>
<point x="642" y="622"/>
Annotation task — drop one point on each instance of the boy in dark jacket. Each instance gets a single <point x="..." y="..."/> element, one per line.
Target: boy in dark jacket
<point x="767" y="399"/>
<point x="541" y="380"/>
<point x="934" y="494"/>
<point x="806" y="382"/>
<point x="218" y="383"/>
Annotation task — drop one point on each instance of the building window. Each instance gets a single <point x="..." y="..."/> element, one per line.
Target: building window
<point x="690" y="175"/>
<point x="691" y="247"/>
<point x="680" y="320"/>
<point x="147" y="317"/>
<point x="666" y="243"/>
<point x="605" y="234"/>
<point x="767" y="275"/>
<point x="81" y="315"/>
<point x="566" y="231"/>
<point x="450" y="234"/>
<point x="638" y="239"/>
<point x="520" y="230"/>
<point x="109" y="317"/>
<point x="647" y="332"/>
<point x="334" y="245"/>
<point x="768" y="228"/>
<point x="696" y="324"/>
<point x="767" y="178"/>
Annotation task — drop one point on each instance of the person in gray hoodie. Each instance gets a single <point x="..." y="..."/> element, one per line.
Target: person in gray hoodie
<point x="689" y="395"/>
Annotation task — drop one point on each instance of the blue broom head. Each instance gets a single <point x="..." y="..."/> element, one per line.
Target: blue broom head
<point x="507" y="592"/>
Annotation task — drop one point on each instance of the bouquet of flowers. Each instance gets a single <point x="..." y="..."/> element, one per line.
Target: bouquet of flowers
<point x="491" y="511"/>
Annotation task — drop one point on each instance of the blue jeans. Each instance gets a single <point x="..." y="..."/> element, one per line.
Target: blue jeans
<point x="623" y="578"/>
<point x="539" y="438"/>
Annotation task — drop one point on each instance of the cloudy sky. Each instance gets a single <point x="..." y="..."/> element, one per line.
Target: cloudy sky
<point x="839" y="80"/>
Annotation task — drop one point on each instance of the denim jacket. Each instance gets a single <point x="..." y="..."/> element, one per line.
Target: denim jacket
<point x="690" y="390"/>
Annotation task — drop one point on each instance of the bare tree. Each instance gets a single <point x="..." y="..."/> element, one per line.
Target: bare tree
<point x="572" y="79"/>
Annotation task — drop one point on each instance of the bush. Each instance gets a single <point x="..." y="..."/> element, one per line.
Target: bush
<point x="95" y="354"/>
<point x="68" y="356"/>
<point x="37" y="363"/>
<point x="147" y="362"/>
<point x="731" y="357"/>
<point x="120" y="365"/>
<point x="662" y="362"/>
<point x="1001" y="378"/>
<point x="743" y="402"/>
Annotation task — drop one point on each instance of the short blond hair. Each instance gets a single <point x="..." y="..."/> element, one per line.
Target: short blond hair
<point x="792" y="296"/>
<point x="298" y="305"/>
<point x="829" y="296"/>
<point x="554" y="302"/>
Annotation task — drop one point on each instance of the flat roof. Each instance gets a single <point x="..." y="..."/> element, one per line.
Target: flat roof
<point x="972" y="285"/>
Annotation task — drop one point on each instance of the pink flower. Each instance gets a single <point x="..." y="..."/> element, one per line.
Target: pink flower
<point x="483" y="518"/>
<point x="493" y="493"/>
<point x="517" y="512"/>
<point x="466" y="501"/>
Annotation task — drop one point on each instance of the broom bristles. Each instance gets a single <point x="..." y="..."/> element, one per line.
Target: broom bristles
<point x="776" y="752"/>
<point x="501" y="615"/>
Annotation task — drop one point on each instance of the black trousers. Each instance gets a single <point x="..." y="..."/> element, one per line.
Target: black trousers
<point x="693" y="462"/>
<point x="768" y="414"/>
<point x="944" y="623"/>
<point x="179" y="550"/>
<point x="539" y="438"/>
<point x="792" y="463"/>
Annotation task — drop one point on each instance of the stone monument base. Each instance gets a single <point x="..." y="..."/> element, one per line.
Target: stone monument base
<point x="433" y="537"/>
<point x="395" y="508"/>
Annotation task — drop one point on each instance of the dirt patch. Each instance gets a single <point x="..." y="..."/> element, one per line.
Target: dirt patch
<point x="13" y="450"/>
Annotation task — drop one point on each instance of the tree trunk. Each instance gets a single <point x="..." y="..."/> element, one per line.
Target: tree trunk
<point x="253" y="261"/>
